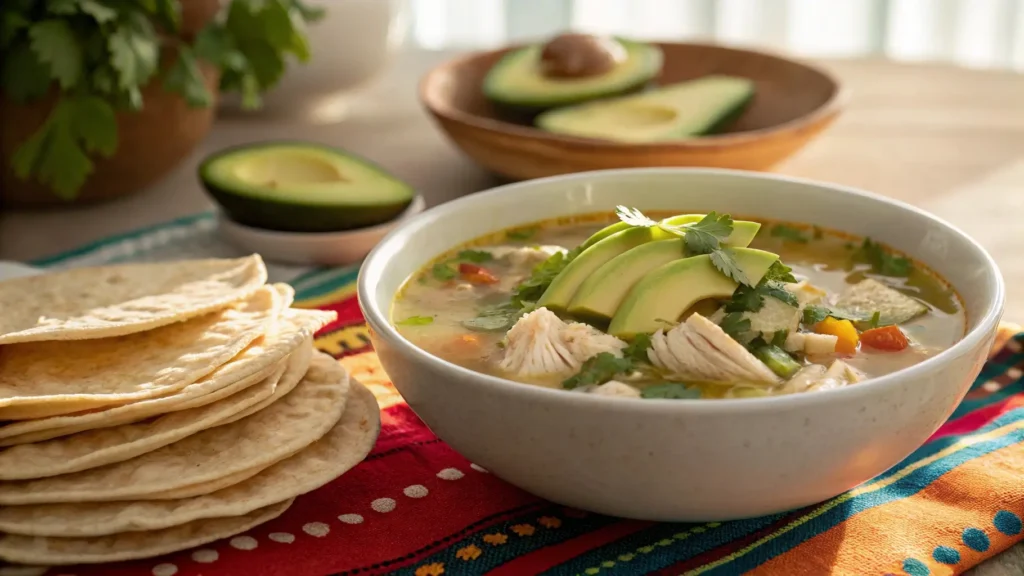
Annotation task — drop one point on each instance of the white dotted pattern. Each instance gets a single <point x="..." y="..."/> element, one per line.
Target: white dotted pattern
<point x="479" y="468"/>
<point x="416" y="491"/>
<point x="351" y="518"/>
<point x="244" y="543"/>
<point x="991" y="386"/>
<point x="282" y="537"/>
<point x="450" y="474"/>
<point x="383" y="505"/>
<point x="205" y="556"/>
<point x="165" y="570"/>
<point x="317" y="529"/>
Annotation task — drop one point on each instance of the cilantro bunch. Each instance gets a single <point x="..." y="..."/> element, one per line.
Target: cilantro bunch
<point x="96" y="56"/>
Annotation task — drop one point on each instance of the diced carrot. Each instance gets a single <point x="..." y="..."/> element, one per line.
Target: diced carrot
<point x="476" y="274"/>
<point x="841" y="329"/>
<point x="889" y="338"/>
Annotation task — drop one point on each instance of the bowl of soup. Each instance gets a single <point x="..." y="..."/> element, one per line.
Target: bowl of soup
<point x="681" y="344"/>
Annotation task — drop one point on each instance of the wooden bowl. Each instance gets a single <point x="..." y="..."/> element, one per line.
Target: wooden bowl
<point x="793" y="103"/>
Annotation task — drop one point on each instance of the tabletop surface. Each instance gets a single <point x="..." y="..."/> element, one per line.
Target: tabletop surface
<point x="950" y="140"/>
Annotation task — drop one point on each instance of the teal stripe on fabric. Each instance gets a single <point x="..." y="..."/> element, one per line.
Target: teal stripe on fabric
<point x="661" y="546"/>
<point x="968" y="406"/>
<point x="515" y="546"/>
<point x="325" y="285"/>
<point x="124" y="237"/>
<point x="902" y="488"/>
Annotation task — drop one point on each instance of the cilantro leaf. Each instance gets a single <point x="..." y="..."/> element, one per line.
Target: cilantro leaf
<point x="24" y="76"/>
<point x="634" y="217"/>
<point x="95" y="124"/>
<point x="62" y="7"/>
<point x="777" y="291"/>
<point x="705" y="236"/>
<point x="494" y="318"/>
<point x="882" y="261"/>
<point x="416" y="321"/>
<point x="475" y="256"/>
<point x="185" y="78"/>
<point x="637" y="349"/>
<point x="56" y="45"/>
<point x="521" y="233"/>
<point x="735" y="325"/>
<point x="168" y="13"/>
<point x="531" y="289"/>
<point x="779" y="272"/>
<point x="133" y="55"/>
<point x="726" y="264"/>
<point x="671" y="391"/>
<point x="788" y="233"/>
<point x="814" y="314"/>
<point x="442" y="271"/>
<point x="745" y="299"/>
<point x="100" y="12"/>
<point x="598" y="370"/>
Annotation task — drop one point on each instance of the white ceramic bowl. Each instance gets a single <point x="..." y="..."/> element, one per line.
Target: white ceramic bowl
<point x="683" y="460"/>
<point x="312" y="248"/>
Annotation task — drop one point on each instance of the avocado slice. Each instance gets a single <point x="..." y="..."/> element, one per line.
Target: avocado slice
<point x="518" y="83"/>
<point x="301" y="187"/>
<point x="670" y="289"/>
<point x="564" y="286"/>
<point x="672" y="112"/>
<point x="600" y="295"/>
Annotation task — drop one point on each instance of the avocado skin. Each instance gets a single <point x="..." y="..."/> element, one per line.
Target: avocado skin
<point x="282" y="216"/>
<point x="723" y="123"/>
<point x="290" y="217"/>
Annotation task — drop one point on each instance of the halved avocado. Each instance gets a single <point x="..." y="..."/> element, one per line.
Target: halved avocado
<point x="302" y="187"/>
<point x="678" y="111"/>
<point x="518" y="84"/>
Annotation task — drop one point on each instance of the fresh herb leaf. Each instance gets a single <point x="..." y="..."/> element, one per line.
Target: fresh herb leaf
<point x="779" y="292"/>
<point x="882" y="261"/>
<point x="521" y="233"/>
<point x="779" y="338"/>
<point x="416" y="321"/>
<point x="598" y="370"/>
<point x="779" y="272"/>
<point x="671" y="391"/>
<point x="494" y="318"/>
<point x="726" y="264"/>
<point x="814" y="314"/>
<point x="100" y="12"/>
<point x="531" y="289"/>
<point x="637" y="349"/>
<point x="476" y="256"/>
<point x="706" y="236"/>
<point x="186" y="79"/>
<point x="876" y="318"/>
<point x="745" y="299"/>
<point x="634" y="217"/>
<point x="442" y="271"/>
<point x="789" y="233"/>
<point x="56" y="45"/>
<point x="735" y="325"/>
<point x="24" y="76"/>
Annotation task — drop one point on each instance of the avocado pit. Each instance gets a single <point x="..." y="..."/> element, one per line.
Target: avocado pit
<point x="574" y="55"/>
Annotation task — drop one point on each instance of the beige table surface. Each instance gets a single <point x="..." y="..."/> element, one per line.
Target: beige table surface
<point x="950" y="140"/>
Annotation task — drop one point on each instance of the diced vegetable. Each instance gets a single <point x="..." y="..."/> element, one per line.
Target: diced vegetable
<point x="889" y="338"/>
<point x="476" y="274"/>
<point x="843" y="330"/>
<point x="870" y="296"/>
<point x="778" y="360"/>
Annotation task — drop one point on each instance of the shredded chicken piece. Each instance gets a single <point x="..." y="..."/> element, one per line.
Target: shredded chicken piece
<point x="842" y="371"/>
<point x="541" y="343"/>
<point x="616" y="388"/>
<point x="699" y="349"/>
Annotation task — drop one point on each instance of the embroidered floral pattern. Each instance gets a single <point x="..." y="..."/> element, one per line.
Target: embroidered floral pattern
<point x="433" y="569"/>
<point x="495" y="539"/>
<point x="524" y="529"/>
<point x="467" y="553"/>
<point x="549" y="521"/>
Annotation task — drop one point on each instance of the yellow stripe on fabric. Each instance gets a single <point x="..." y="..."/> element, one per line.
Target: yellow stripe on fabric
<point x="342" y="293"/>
<point x="864" y="489"/>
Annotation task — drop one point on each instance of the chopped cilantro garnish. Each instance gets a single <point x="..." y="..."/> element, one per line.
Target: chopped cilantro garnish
<point x="747" y="299"/>
<point x="735" y="325"/>
<point x="815" y="314"/>
<point x="876" y="319"/>
<point x="882" y="261"/>
<point x="726" y="264"/>
<point x="476" y="256"/>
<point x="671" y="391"/>
<point x="598" y="370"/>
<point x="521" y="233"/>
<point x="788" y="233"/>
<point x="494" y="318"/>
<point x="706" y="236"/>
<point x="634" y="217"/>
<point x="779" y="272"/>
<point x="416" y="321"/>
<point x="531" y="289"/>
<point x="442" y="271"/>
<point x="637" y="349"/>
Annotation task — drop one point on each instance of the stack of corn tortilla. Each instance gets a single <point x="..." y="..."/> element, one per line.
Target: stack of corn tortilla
<point x="149" y="408"/>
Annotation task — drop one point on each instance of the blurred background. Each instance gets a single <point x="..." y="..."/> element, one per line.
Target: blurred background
<point x="973" y="33"/>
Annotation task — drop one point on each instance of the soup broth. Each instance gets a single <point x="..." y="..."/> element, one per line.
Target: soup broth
<point x="460" y="308"/>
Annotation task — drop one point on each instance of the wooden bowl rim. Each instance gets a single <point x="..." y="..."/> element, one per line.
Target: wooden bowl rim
<point x="822" y="114"/>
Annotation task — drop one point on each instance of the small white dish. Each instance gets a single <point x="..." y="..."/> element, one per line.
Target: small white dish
<point x="312" y="248"/>
<point x="10" y="270"/>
